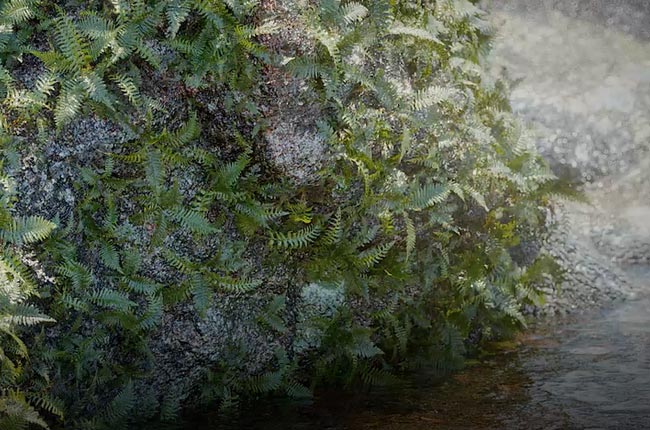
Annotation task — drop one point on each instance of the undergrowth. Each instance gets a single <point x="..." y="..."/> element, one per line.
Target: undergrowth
<point x="404" y="236"/>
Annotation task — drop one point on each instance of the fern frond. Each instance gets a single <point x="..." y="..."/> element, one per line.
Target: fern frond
<point x="22" y="315"/>
<point x="334" y="232"/>
<point x="352" y="12"/>
<point x="265" y="383"/>
<point x="181" y="264"/>
<point x="201" y="294"/>
<point x="375" y="377"/>
<point x="153" y="315"/>
<point x="109" y="256"/>
<point x="16" y="413"/>
<point x="154" y="170"/>
<point x="230" y="173"/>
<point x="192" y="220"/>
<point x="17" y="11"/>
<point x="403" y="30"/>
<point x="142" y="285"/>
<point x="410" y="235"/>
<point x="329" y="41"/>
<point x="305" y="68"/>
<point x="73" y="303"/>
<point x="170" y="407"/>
<point x="427" y="196"/>
<point x="478" y="197"/>
<point x="51" y="405"/>
<point x="363" y="347"/>
<point x="176" y="12"/>
<point x="70" y="43"/>
<point x="233" y="285"/>
<point x="296" y="390"/>
<point x="68" y="103"/>
<point x="27" y="230"/>
<point x="185" y="134"/>
<point x="371" y="257"/>
<point x="112" y="299"/>
<point x="295" y="239"/>
<point x="128" y="88"/>
<point x="121" y="406"/>
<point x="433" y="96"/>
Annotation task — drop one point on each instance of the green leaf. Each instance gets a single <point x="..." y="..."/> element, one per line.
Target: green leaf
<point x="295" y="239"/>
<point x="27" y="230"/>
<point x="110" y="257"/>
<point x="112" y="299"/>
<point x="192" y="220"/>
<point x="427" y="196"/>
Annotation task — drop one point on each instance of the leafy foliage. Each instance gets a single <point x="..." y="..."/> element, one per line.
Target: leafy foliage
<point x="411" y="220"/>
<point x="16" y="287"/>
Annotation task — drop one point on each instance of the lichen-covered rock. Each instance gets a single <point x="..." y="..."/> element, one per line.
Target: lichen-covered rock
<point x="186" y="345"/>
<point x="316" y="301"/>
<point x="296" y="148"/>
<point x="50" y="165"/>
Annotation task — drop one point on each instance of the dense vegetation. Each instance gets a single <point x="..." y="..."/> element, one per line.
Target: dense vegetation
<point x="395" y="252"/>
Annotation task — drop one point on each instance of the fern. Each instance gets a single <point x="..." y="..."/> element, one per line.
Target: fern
<point x="433" y="96"/>
<point x="153" y="315"/>
<point x="80" y="275"/>
<point x="17" y="11"/>
<point x="403" y="30"/>
<point x="295" y="239"/>
<point x="121" y="406"/>
<point x="334" y="232"/>
<point x="371" y="257"/>
<point x="297" y="391"/>
<point x="176" y="12"/>
<point x="154" y="170"/>
<point x="374" y="377"/>
<point x="410" y="235"/>
<point x="21" y="315"/>
<point x="427" y="196"/>
<point x="110" y="257"/>
<point x="192" y="220"/>
<point x="69" y="102"/>
<point x="305" y="68"/>
<point x="171" y="407"/>
<point x="232" y="285"/>
<point x="352" y="12"/>
<point x="71" y="44"/>
<point x="183" y="265"/>
<point x="408" y="123"/>
<point x="201" y="294"/>
<point x="143" y="285"/>
<point x="16" y="413"/>
<point x="51" y="405"/>
<point x="128" y="88"/>
<point x="112" y="299"/>
<point x="265" y="383"/>
<point x="27" y="230"/>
